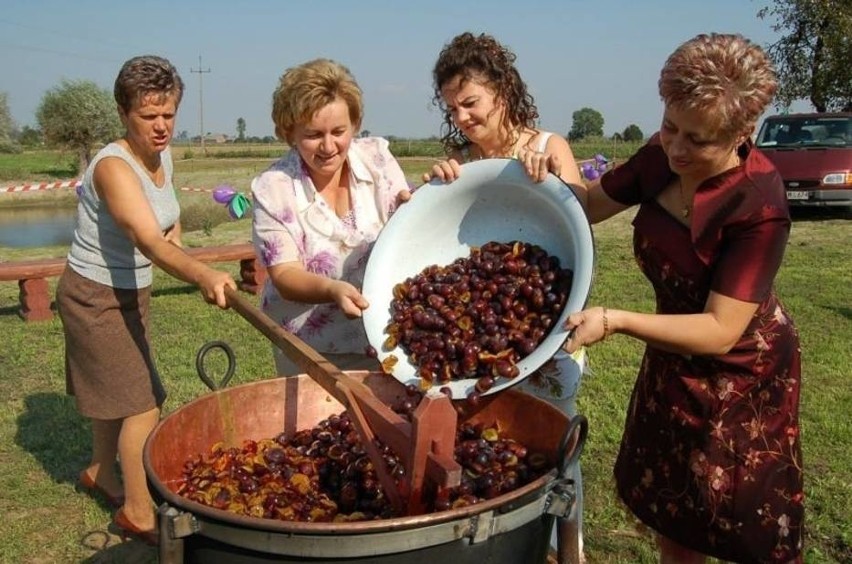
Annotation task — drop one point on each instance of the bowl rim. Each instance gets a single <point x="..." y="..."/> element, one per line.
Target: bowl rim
<point x="475" y="177"/>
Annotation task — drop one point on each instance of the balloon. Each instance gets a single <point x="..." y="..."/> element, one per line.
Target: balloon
<point x="238" y="206"/>
<point x="600" y="158"/>
<point x="223" y="194"/>
<point x="79" y="190"/>
<point x="588" y="171"/>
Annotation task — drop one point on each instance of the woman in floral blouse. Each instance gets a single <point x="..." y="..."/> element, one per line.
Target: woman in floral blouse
<point x="710" y="457"/>
<point x="318" y="210"/>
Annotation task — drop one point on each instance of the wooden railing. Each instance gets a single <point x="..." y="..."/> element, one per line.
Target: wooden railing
<point x="32" y="275"/>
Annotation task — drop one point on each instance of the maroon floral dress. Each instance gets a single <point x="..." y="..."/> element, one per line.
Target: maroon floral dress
<point x="710" y="455"/>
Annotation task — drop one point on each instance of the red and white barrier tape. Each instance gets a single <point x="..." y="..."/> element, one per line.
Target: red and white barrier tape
<point x="202" y="190"/>
<point x="189" y="189"/>
<point x="42" y="186"/>
<point x="60" y="184"/>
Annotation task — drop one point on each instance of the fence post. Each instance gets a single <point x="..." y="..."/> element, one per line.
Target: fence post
<point x="252" y="275"/>
<point x="34" y="299"/>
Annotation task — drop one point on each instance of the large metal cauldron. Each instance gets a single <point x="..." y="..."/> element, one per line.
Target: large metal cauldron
<point x="513" y="528"/>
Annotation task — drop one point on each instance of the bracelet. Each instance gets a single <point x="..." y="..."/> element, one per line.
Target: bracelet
<point x="605" y="324"/>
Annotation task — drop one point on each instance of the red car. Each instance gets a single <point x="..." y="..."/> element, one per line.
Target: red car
<point x="813" y="154"/>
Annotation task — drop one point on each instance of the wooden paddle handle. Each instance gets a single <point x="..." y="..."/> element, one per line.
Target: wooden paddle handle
<point x="326" y="374"/>
<point x="368" y="413"/>
<point x="318" y="367"/>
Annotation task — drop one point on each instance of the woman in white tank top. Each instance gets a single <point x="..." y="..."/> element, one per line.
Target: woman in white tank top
<point x="488" y="113"/>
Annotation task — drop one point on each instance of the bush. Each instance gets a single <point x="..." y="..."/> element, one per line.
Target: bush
<point x="202" y="215"/>
<point x="10" y="148"/>
<point x="416" y="148"/>
<point x="610" y="148"/>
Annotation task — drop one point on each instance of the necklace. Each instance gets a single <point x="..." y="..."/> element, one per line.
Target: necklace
<point x="686" y="209"/>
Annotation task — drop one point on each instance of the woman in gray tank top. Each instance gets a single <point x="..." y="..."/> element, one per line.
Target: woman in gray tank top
<point x="128" y="219"/>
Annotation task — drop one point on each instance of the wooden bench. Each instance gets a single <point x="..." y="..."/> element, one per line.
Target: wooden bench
<point x="32" y="275"/>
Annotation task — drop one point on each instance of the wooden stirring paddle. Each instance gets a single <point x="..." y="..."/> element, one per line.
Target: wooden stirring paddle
<point x="425" y="446"/>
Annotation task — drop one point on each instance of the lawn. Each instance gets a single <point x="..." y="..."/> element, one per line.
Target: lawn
<point x="44" y="443"/>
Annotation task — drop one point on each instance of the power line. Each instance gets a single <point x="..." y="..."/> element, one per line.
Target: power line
<point x="201" y="71"/>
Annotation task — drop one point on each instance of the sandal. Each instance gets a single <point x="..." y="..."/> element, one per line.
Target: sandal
<point x="86" y="482"/>
<point x="128" y="529"/>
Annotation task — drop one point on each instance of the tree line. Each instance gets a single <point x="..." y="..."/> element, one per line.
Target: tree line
<point x="812" y="59"/>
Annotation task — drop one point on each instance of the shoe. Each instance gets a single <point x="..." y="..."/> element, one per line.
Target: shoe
<point x="85" y="482"/>
<point x="128" y="529"/>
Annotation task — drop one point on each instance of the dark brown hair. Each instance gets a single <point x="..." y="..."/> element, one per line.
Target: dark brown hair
<point x="143" y="75"/>
<point x="481" y="58"/>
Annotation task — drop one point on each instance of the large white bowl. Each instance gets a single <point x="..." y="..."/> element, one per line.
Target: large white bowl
<point x="492" y="200"/>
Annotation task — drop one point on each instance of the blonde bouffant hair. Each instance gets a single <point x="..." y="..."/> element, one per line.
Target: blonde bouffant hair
<point x="305" y="89"/>
<point x="725" y="76"/>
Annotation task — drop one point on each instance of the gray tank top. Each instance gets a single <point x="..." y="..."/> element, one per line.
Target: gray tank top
<point x="100" y="249"/>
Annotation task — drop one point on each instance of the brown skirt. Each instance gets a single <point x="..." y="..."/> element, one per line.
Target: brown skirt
<point x="109" y="367"/>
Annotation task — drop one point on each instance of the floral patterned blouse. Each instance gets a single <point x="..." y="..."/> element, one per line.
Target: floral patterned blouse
<point x="710" y="455"/>
<point x="291" y="222"/>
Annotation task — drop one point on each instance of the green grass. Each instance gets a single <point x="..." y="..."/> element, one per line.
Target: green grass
<point x="37" y="166"/>
<point x="243" y="161"/>
<point x="43" y="442"/>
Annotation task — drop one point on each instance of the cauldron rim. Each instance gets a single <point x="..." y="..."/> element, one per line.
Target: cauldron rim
<point x="515" y="498"/>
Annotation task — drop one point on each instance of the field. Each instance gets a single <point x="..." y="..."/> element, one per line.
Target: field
<point x="44" y="442"/>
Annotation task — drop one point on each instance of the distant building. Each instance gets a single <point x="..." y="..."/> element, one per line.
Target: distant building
<point x="214" y="138"/>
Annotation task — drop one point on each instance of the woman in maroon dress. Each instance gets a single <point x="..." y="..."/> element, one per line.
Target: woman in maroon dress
<point x="710" y="457"/>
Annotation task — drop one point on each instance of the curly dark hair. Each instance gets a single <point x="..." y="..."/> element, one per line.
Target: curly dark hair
<point x="481" y="57"/>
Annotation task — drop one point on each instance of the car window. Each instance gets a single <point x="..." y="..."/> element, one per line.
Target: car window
<point x="805" y="131"/>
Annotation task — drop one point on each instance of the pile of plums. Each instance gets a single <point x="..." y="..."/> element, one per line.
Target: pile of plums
<point x="318" y="474"/>
<point x="477" y="317"/>
<point x="323" y="474"/>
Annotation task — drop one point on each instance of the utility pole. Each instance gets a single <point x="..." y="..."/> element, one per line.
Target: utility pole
<point x="201" y="72"/>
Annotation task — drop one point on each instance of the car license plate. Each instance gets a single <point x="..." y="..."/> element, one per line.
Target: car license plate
<point x="797" y="195"/>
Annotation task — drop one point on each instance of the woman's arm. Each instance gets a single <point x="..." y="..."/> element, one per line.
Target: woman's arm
<point x="296" y="284"/>
<point x="173" y="235"/>
<point x="599" y="206"/>
<point x="713" y="332"/>
<point x="557" y="158"/>
<point x="121" y="191"/>
<point x="278" y="242"/>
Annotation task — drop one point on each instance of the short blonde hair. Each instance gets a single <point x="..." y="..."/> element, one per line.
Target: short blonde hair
<point x="727" y="77"/>
<point x="305" y="89"/>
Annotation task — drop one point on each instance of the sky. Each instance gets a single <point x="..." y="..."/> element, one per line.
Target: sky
<point x="602" y="54"/>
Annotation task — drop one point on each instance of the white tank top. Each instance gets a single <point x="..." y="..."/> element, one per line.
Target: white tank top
<point x="543" y="137"/>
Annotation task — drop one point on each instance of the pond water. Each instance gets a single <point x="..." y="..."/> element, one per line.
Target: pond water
<point x="39" y="226"/>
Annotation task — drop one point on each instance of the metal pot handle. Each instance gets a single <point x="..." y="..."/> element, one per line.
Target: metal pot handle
<point x="567" y="531"/>
<point x="571" y="445"/>
<point x="202" y="372"/>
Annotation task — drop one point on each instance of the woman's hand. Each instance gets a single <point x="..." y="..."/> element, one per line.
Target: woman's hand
<point x="348" y="299"/>
<point x="538" y="164"/>
<point x="446" y="171"/>
<point x="588" y="327"/>
<point x="402" y="197"/>
<point x="212" y="283"/>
